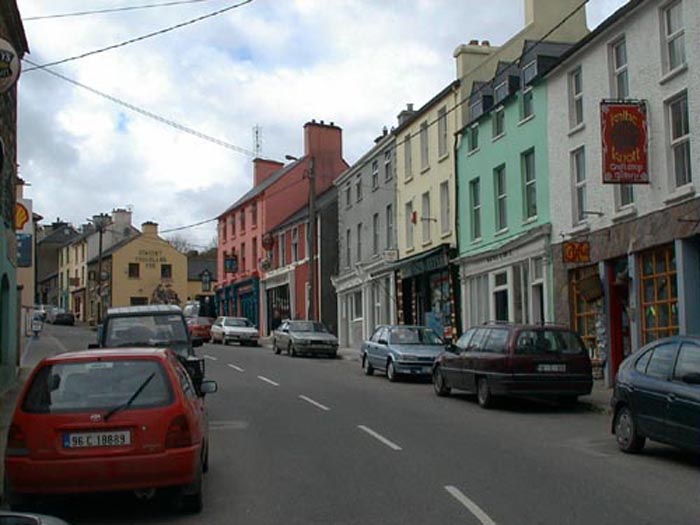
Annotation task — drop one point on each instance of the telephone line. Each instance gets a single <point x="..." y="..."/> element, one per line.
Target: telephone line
<point x="113" y="10"/>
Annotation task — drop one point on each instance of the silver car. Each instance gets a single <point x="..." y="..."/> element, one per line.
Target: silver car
<point x="304" y="337"/>
<point x="234" y="329"/>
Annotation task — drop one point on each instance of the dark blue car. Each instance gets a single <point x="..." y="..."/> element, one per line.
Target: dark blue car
<point x="657" y="395"/>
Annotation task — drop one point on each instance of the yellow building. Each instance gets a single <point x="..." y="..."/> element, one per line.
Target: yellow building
<point x="142" y="269"/>
<point x="72" y="267"/>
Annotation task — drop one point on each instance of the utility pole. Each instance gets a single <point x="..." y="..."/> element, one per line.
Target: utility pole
<point x="101" y="221"/>
<point x="312" y="241"/>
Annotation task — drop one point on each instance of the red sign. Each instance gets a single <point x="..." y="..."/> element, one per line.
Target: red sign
<point x="625" y="142"/>
<point x="268" y="241"/>
<point x="577" y="252"/>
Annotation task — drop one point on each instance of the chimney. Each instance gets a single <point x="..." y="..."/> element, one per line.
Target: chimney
<point x="323" y="140"/>
<point x="406" y="114"/>
<point x="470" y="56"/>
<point x="263" y="168"/>
<point x="546" y="14"/>
<point x="121" y="218"/>
<point x="149" y="229"/>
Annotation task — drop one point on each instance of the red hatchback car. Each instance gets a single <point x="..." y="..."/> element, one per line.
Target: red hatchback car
<point x="109" y="420"/>
<point x="200" y="328"/>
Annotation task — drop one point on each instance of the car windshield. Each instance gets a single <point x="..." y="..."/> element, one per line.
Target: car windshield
<point x="146" y="330"/>
<point x="237" y="322"/>
<point x="306" y="326"/>
<point x="94" y="385"/>
<point x="206" y="321"/>
<point x="540" y="342"/>
<point x="410" y="335"/>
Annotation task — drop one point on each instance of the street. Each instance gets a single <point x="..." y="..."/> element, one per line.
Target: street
<point x="307" y="440"/>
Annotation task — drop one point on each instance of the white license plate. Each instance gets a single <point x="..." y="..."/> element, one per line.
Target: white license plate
<point x="551" y="368"/>
<point x="117" y="438"/>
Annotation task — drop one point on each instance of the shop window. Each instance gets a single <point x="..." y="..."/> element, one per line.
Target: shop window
<point x="584" y="313"/>
<point x="659" y="293"/>
<point x="500" y="296"/>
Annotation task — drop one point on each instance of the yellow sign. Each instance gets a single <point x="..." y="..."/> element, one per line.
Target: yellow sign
<point x="21" y="216"/>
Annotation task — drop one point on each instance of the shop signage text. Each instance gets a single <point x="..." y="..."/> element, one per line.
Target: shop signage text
<point x="576" y="252"/>
<point x="625" y="142"/>
<point x="150" y="258"/>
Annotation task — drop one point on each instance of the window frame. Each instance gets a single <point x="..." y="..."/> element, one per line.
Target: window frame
<point x="681" y="142"/>
<point x="529" y="183"/>
<point x="445" y="211"/>
<point x="408" y="209"/>
<point x="498" y="123"/>
<point x="375" y="233"/>
<point x="388" y="165"/>
<point x="375" y="174"/>
<point x="500" y="193"/>
<point x="579" y="185"/>
<point x="425" y="218"/>
<point x="576" y="114"/>
<point x="671" y="37"/>
<point x="424" y="146"/>
<point x="442" y="131"/>
<point x="389" y="226"/>
<point x="619" y="70"/>
<point x="475" y="208"/>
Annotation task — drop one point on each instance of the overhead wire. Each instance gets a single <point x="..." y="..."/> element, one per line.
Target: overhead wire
<point x="140" y="38"/>
<point x="112" y="10"/>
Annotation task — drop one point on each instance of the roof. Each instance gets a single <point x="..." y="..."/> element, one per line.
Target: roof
<point x="257" y="190"/>
<point x="379" y="146"/>
<point x="419" y="113"/>
<point x="145" y="309"/>
<point x="195" y="268"/>
<point x="61" y="235"/>
<point x="102" y="353"/>
<point x="109" y="251"/>
<point x="322" y="200"/>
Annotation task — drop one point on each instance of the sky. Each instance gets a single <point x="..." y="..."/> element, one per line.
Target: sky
<point x="271" y="64"/>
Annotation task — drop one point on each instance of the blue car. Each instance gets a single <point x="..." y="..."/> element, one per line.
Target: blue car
<point x="401" y="350"/>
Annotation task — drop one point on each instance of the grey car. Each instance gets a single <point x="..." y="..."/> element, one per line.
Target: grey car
<point x="401" y="350"/>
<point x="304" y="337"/>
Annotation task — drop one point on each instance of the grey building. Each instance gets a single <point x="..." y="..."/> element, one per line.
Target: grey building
<point x="367" y="243"/>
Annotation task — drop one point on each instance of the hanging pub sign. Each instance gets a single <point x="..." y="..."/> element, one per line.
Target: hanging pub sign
<point x="231" y="264"/>
<point x="576" y="252"/>
<point x="9" y="65"/>
<point x="625" y="142"/>
<point x="268" y="241"/>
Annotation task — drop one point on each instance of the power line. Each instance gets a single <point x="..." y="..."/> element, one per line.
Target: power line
<point x="149" y="114"/>
<point x="113" y="10"/>
<point x="140" y="38"/>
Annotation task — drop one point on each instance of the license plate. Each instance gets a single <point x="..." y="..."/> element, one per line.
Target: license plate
<point x="118" y="438"/>
<point x="551" y="368"/>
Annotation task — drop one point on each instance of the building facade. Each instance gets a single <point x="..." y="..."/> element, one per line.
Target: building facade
<point x="366" y="245"/>
<point x="639" y="278"/>
<point x="201" y="284"/>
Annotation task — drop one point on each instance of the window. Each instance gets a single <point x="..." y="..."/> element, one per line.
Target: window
<point x="500" y="297"/>
<point x="475" y="205"/>
<point x="358" y="189"/>
<point x="295" y="244"/>
<point x="254" y="214"/>
<point x="674" y="36"/>
<point x="232" y="224"/>
<point x="375" y="174"/>
<point x="388" y="165"/>
<point x="442" y="131"/>
<point x="499" y="123"/>
<point x="243" y="264"/>
<point x="283" y="249"/>
<point x="578" y="174"/>
<point x="409" y="225"/>
<point x="426" y="219"/>
<point x="625" y="195"/>
<point x="375" y="233"/>
<point x="476" y="108"/>
<point x="389" y="226"/>
<point x="584" y="314"/>
<point x="166" y="271"/>
<point x="473" y="138"/>
<point x="618" y="57"/>
<point x="134" y="270"/>
<point x="348" y="241"/>
<point x="529" y="73"/>
<point x="243" y="219"/>
<point x="527" y="109"/>
<point x="408" y="157"/>
<point x="680" y="140"/>
<point x="500" y="92"/>
<point x="424" y="162"/>
<point x="499" y="185"/>
<point x="445" y="226"/>
<point x="659" y="293"/>
<point x="575" y="98"/>
<point x="661" y="362"/>
<point x="688" y="361"/>
<point x="643" y="362"/>
<point x="359" y="242"/>
<point x="348" y="196"/>
<point x="527" y="162"/>
<point x="255" y="253"/>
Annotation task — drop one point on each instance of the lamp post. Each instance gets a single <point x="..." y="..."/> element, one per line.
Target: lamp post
<point x="100" y="221"/>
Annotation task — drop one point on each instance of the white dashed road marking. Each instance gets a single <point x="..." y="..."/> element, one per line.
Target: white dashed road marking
<point x="238" y="368"/>
<point x="314" y="403"/>
<point x="470" y="505"/>
<point x="210" y="357"/>
<point x="379" y="437"/>
<point x="270" y="381"/>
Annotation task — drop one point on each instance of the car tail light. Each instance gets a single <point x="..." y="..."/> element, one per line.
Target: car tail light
<point x="16" y="442"/>
<point x="178" y="434"/>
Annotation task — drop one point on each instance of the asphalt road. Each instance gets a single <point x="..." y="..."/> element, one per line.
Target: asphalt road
<point x="304" y="440"/>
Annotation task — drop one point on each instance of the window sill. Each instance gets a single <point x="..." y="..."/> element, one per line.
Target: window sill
<point x="530" y="220"/>
<point x="425" y="169"/>
<point x="445" y="235"/>
<point x="410" y="250"/>
<point x="444" y="157"/>
<point x="680" y="193"/>
<point x="527" y="119"/>
<point x="472" y="152"/>
<point x="476" y="241"/>
<point x="501" y="232"/>
<point x="375" y="188"/>
<point x="673" y="74"/>
<point x="426" y="243"/>
<point x="498" y="137"/>
<point x="577" y="129"/>
<point x="626" y="212"/>
<point x="581" y="227"/>
<point x="408" y="179"/>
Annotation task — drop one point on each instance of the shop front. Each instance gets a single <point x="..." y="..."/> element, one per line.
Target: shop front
<point x="276" y="292"/>
<point x="244" y="300"/>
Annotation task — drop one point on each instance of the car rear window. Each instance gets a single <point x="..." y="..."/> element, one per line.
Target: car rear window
<point x="539" y="342"/>
<point x="236" y="322"/>
<point x="94" y="385"/>
<point x="145" y="330"/>
<point x="408" y="335"/>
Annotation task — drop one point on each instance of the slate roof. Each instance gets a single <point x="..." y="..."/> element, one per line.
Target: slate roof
<point x="196" y="266"/>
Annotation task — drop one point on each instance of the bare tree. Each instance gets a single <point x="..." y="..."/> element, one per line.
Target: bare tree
<point x="181" y="243"/>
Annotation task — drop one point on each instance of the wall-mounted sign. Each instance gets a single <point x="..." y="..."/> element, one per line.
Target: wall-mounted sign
<point x="150" y="258"/>
<point x="625" y="142"/>
<point x="9" y="65"/>
<point x="231" y="264"/>
<point x="576" y="252"/>
<point x="268" y="241"/>
<point x="21" y="216"/>
<point x="24" y="250"/>
<point x="590" y="288"/>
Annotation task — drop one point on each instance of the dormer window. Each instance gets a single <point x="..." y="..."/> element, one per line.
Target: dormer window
<point x="476" y="108"/>
<point x="501" y="91"/>
<point x="529" y="73"/>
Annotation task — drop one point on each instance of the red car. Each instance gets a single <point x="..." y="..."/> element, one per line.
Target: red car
<point x="110" y="420"/>
<point x="200" y="328"/>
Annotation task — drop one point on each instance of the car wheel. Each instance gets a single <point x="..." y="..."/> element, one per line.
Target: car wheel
<point x="275" y="348"/>
<point x="628" y="437"/>
<point x="439" y="385"/>
<point x="189" y="499"/>
<point x="483" y="393"/>
<point x="367" y="366"/>
<point x="291" y="350"/>
<point x="390" y="371"/>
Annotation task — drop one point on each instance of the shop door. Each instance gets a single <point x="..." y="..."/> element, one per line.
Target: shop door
<point x="277" y="307"/>
<point x="620" y="342"/>
<point x="249" y="307"/>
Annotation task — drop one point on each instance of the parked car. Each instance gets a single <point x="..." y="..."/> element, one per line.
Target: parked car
<point x="110" y="420"/>
<point x="60" y="316"/>
<point x="200" y="328"/>
<point x="657" y="395"/>
<point x="304" y="337"/>
<point x="401" y="350"/>
<point x="234" y="329"/>
<point x="504" y="359"/>
<point x="26" y="518"/>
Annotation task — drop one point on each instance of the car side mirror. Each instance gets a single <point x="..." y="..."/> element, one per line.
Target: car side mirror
<point x="197" y="342"/>
<point x="453" y="348"/>
<point x="208" y="387"/>
<point x="382" y="342"/>
<point x="692" y="378"/>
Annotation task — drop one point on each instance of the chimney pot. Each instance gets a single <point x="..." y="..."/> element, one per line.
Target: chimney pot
<point x="409" y="107"/>
<point x="322" y="123"/>
<point x="485" y="43"/>
<point x="474" y="42"/>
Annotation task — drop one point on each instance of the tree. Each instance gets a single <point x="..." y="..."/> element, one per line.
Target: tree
<point x="180" y="243"/>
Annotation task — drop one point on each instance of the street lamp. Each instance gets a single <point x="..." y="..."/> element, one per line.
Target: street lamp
<point x="101" y="222"/>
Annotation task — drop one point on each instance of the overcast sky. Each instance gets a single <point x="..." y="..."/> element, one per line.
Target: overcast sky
<point x="275" y="64"/>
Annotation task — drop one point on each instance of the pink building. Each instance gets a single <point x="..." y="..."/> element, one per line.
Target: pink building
<point x="278" y="192"/>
